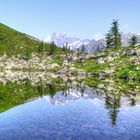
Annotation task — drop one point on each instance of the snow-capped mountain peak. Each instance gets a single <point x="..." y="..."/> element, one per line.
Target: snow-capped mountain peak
<point x="91" y="45"/>
<point x="75" y="43"/>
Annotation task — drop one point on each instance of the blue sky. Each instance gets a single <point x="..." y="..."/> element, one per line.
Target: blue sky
<point x="80" y="18"/>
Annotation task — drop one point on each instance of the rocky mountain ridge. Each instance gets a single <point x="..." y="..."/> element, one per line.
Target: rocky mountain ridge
<point x="91" y="45"/>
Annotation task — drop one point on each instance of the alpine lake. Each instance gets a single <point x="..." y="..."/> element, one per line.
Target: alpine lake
<point x="34" y="107"/>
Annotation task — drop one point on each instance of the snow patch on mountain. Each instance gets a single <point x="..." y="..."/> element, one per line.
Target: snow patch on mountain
<point x="91" y="45"/>
<point x="75" y="43"/>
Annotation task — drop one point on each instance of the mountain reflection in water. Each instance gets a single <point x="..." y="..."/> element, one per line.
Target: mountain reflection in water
<point x="112" y="102"/>
<point x="45" y="111"/>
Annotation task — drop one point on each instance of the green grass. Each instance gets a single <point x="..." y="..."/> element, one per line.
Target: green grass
<point x="58" y="59"/>
<point x="126" y="69"/>
<point x="13" y="42"/>
<point x="13" y="94"/>
<point x="92" y="82"/>
<point x="92" y="66"/>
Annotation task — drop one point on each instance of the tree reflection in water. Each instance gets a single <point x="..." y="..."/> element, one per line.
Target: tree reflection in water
<point x="23" y="91"/>
<point x="112" y="104"/>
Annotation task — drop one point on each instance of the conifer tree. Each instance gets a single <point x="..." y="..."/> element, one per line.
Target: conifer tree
<point x="108" y="40"/>
<point x="83" y="48"/>
<point x="120" y="40"/>
<point x="113" y="38"/>
<point x="63" y="48"/>
<point x="115" y="33"/>
<point x="52" y="48"/>
<point x="40" y="47"/>
<point x="133" y="40"/>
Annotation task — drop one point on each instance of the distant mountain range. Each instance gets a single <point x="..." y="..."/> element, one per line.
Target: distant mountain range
<point x="91" y="45"/>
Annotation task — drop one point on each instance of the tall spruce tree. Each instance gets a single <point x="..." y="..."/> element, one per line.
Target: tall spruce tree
<point x="120" y="40"/>
<point x="113" y="38"/>
<point x="108" y="40"/>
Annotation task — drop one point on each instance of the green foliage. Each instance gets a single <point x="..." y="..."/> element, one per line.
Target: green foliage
<point x="13" y="94"/>
<point x="129" y="73"/>
<point x="66" y="48"/>
<point x="133" y="40"/>
<point x="40" y="47"/>
<point x="58" y="59"/>
<point x="108" y="40"/>
<point x="113" y="38"/>
<point x="13" y="42"/>
<point x="83" y="48"/>
<point x="92" y="82"/>
<point x="123" y="68"/>
<point x="52" y="48"/>
<point x="124" y="74"/>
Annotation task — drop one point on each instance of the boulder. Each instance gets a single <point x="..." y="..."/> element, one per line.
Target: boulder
<point x="130" y="53"/>
<point x="101" y="61"/>
<point x="109" y="59"/>
<point x="81" y="73"/>
<point x="137" y="51"/>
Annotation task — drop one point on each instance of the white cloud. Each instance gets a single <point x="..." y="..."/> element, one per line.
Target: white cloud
<point x="97" y="36"/>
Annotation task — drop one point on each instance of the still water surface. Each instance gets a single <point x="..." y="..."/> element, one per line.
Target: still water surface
<point x="73" y="114"/>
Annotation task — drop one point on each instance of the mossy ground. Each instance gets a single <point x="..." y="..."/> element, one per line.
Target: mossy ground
<point x="124" y="70"/>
